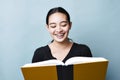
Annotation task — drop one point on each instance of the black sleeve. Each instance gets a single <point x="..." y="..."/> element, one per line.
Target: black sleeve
<point x="82" y="50"/>
<point x="87" y="51"/>
<point x="38" y="55"/>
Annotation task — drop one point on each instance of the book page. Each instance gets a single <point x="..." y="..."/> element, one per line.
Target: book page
<point x="52" y="62"/>
<point x="80" y="60"/>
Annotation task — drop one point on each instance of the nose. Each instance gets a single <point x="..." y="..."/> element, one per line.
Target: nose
<point x="59" y="29"/>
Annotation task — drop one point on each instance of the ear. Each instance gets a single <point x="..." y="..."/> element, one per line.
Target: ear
<point x="70" y="25"/>
<point x="47" y="27"/>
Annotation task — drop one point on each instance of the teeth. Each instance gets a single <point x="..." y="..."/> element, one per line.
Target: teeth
<point x="59" y="35"/>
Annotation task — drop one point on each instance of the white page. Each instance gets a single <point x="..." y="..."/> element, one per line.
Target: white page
<point x="78" y="60"/>
<point x="44" y="63"/>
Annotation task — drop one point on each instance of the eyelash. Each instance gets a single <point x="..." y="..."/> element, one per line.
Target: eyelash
<point x="64" y="25"/>
<point x="61" y="25"/>
<point x="52" y="26"/>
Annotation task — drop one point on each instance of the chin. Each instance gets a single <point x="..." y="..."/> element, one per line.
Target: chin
<point x="60" y="40"/>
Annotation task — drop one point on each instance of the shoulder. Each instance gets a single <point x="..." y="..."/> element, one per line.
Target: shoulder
<point x="39" y="54"/>
<point x="42" y="49"/>
<point x="82" y="49"/>
<point x="82" y="46"/>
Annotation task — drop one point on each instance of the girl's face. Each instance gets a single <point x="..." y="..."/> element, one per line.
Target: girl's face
<point x="58" y="27"/>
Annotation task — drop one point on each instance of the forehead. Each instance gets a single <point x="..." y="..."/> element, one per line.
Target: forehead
<point x="57" y="17"/>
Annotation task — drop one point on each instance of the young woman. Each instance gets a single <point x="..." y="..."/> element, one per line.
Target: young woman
<point x="61" y="48"/>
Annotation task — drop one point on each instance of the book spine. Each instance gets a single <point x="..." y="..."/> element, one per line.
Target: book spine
<point x="65" y="72"/>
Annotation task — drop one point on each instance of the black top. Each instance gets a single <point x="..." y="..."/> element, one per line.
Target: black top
<point x="44" y="53"/>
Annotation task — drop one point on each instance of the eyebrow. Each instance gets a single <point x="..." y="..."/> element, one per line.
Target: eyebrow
<point x="60" y="22"/>
<point x="63" y="21"/>
<point x="52" y="23"/>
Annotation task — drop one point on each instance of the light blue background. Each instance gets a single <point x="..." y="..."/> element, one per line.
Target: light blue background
<point x="22" y="30"/>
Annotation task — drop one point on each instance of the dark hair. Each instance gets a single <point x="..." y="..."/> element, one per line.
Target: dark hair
<point x="55" y="10"/>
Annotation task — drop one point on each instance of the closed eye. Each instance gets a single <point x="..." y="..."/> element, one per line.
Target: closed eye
<point x="52" y="26"/>
<point x="63" y="25"/>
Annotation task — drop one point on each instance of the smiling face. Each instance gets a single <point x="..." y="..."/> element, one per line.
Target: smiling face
<point x="58" y="27"/>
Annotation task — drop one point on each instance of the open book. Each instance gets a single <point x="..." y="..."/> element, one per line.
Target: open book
<point x="75" y="68"/>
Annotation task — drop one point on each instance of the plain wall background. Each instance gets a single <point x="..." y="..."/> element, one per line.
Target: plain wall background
<point x="22" y="30"/>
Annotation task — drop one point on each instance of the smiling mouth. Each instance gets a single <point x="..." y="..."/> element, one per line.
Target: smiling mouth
<point x="59" y="36"/>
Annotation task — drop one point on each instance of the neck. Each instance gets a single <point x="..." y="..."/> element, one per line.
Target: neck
<point x="63" y="45"/>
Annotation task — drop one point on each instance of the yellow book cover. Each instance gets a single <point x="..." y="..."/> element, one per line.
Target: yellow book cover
<point x="75" y="68"/>
<point x="90" y="71"/>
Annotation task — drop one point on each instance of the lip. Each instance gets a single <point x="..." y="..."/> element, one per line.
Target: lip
<point x="60" y="36"/>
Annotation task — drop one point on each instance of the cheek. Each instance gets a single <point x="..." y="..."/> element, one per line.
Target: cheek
<point x="66" y="29"/>
<point x="51" y="31"/>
